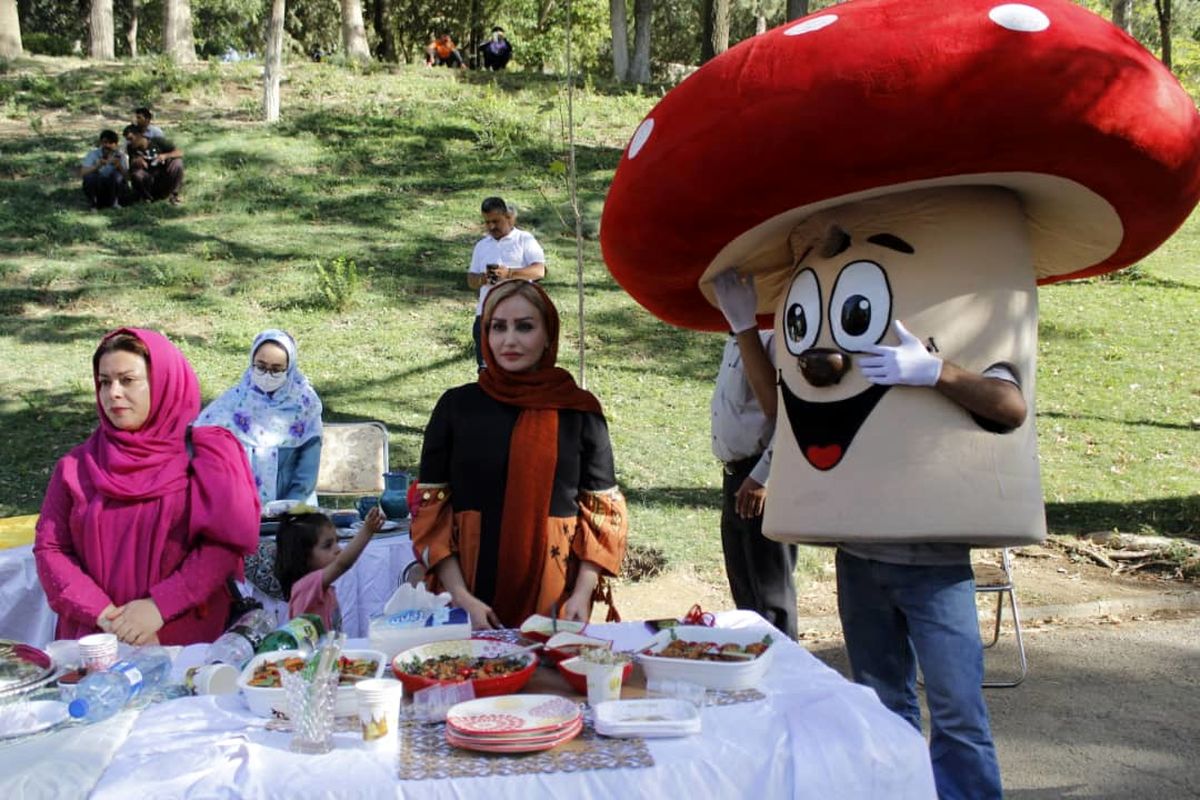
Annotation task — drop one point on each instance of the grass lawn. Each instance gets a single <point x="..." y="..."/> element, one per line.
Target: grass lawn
<point x="387" y="169"/>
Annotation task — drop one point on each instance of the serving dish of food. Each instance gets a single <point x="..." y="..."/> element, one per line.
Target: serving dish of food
<point x="540" y="628"/>
<point x="493" y="667"/>
<point x="562" y="646"/>
<point x="23" y="668"/>
<point x="716" y="658"/>
<point x="262" y="688"/>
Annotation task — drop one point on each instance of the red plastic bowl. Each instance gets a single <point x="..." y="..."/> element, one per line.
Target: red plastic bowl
<point x="474" y="648"/>
<point x="578" y="681"/>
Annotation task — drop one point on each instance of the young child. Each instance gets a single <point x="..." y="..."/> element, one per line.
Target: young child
<point x="308" y="559"/>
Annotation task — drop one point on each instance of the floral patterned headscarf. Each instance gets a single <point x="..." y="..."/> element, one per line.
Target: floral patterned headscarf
<point x="263" y="423"/>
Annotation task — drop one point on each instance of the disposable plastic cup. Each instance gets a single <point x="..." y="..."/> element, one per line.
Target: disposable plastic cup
<point x="213" y="679"/>
<point x="603" y="682"/>
<point x="379" y="710"/>
<point x="98" y="651"/>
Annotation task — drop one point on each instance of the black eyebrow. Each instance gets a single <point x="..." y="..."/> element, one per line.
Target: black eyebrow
<point x="892" y="242"/>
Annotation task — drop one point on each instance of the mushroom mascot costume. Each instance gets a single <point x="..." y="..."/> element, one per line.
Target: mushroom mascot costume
<point x="895" y="178"/>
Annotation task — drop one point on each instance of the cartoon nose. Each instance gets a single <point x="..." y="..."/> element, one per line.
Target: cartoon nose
<point x="823" y="366"/>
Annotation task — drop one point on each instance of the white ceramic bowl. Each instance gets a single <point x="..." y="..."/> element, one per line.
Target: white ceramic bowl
<point x="265" y="701"/>
<point x="730" y="675"/>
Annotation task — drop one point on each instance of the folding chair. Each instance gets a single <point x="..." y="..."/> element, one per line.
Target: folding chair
<point x="998" y="580"/>
<point x="354" y="456"/>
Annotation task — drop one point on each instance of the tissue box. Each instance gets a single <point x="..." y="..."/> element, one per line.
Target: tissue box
<point x="395" y="633"/>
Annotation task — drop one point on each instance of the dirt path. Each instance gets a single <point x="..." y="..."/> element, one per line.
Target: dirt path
<point x="1045" y="577"/>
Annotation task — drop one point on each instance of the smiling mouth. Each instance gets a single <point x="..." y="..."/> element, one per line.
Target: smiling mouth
<point x="824" y="431"/>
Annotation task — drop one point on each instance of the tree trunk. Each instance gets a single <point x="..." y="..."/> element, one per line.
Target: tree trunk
<point x="475" y="32"/>
<point x="101" y="38"/>
<point x="620" y="39"/>
<point x="760" y="18"/>
<point x="720" y="27"/>
<point x="178" y="42"/>
<point x="273" y="58"/>
<point x="797" y="9"/>
<point x="1122" y="15"/>
<point x="10" y="30"/>
<point x="383" y="26"/>
<point x="354" y="33"/>
<point x="706" y="31"/>
<point x="1162" y="8"/>
<point x="131" y="34"/>
<point x="714" y="28"/>
<point x="643" y="12"/>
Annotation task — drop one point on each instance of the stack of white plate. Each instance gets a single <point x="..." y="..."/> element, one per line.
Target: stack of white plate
<point x="650" y="718"/>
<point x="513" y="723"/>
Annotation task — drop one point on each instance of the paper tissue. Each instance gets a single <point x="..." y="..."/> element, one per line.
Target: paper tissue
<point x="414" y="616"/>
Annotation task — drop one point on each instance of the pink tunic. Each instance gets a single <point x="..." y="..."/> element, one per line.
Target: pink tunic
<point x="310" y="597"/>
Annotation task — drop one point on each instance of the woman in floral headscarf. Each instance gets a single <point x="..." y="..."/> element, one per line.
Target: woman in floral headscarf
<point x="276" y="415"/>
<point x="144" y="522"/>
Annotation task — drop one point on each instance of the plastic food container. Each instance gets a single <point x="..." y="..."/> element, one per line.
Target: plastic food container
<point x="647" y="718"/>
<point x="729" y="675"/>
<point x="265" y="701"/>
<point x="562" y="646"/>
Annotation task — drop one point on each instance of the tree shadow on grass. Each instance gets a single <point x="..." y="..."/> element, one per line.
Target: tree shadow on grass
<point x="1168" y="516"/>
<point x="39" y="429"/>
<point x="645" y="344"/>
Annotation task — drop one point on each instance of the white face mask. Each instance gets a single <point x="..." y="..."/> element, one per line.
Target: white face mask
<point x="268" y="382"/>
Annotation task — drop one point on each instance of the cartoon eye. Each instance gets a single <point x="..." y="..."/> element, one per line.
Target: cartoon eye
<point x="861" y="307"/>
<point x="802" y="312"/>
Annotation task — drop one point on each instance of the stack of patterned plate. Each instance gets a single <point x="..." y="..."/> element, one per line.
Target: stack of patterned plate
<point x="513" y="723"/>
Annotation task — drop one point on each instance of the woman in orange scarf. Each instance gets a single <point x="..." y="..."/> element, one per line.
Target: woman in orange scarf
<point x="520" y="512"/>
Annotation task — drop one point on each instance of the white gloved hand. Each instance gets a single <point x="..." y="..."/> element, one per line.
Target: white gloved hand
<point x="736" y="299"/>
<point x="910" y="364"/>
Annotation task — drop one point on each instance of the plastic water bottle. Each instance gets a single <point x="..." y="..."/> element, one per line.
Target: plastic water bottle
<point x="102" y="694"/>
<point x="237" y="645"/>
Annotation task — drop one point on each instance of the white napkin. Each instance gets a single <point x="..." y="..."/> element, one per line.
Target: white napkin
<point x="414" y="598"/>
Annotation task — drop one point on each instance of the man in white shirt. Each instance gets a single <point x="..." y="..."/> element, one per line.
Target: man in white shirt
<point x="506" y="252"/>
<point x="759" y="570"/>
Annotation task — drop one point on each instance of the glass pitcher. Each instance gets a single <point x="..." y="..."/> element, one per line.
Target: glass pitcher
<point x="394" y="500"/>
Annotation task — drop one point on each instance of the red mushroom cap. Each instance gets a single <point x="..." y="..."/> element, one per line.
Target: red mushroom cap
<point x="878" y="96"/>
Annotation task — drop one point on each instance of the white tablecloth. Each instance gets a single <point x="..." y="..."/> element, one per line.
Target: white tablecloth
<point x="815" y="736"/>
<point x="26" y="616"/>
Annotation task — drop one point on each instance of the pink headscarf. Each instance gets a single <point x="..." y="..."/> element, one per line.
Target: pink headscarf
<point x="153" y="461"/>
<point x="130" y="514"/>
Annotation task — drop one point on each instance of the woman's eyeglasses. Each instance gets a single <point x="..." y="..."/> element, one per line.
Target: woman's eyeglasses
<point x="262" y="369"/>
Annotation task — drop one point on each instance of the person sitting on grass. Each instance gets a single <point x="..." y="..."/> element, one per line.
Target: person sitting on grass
<point x="308" y="559"/>
<point x="104" y="171"/>
<point x="156" y="170"/>
<point x="142" y="117"/>
<point x="442" y="52"/>
<point x="496" y="51"/>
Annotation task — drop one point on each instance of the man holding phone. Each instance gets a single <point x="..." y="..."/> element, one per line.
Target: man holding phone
<point x="506" y="252"/>
<point x="104" y="170"/>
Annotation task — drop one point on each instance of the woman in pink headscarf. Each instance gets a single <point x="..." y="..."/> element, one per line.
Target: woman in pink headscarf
<point x="139" y="530"/>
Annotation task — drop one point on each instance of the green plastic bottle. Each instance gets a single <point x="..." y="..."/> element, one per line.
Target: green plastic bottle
<point x="301" y="633"/>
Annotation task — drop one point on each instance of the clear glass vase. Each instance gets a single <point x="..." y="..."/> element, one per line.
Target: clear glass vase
<point x="310" y="709"/>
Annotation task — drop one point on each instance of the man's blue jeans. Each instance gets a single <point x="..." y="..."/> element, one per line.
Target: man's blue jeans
<point x="895" y="615"/>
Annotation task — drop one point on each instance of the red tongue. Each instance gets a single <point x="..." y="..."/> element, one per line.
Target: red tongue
<point x="824" y="457"/>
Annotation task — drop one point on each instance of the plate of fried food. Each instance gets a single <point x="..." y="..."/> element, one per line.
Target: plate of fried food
<point x="493" y="667"/>
<point x="716" y="658"/>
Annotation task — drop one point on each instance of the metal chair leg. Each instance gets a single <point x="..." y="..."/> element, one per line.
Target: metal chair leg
<point x="996" y="628"/>
<point x="1012" y="599"/>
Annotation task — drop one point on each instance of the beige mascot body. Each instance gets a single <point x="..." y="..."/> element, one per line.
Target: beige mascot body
<point x="856" y="461"/>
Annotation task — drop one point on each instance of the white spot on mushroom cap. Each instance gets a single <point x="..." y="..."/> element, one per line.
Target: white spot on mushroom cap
<point x="1019" y="17"/>
<point x="810" y="25"/>
<point x="640" y="136"/>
